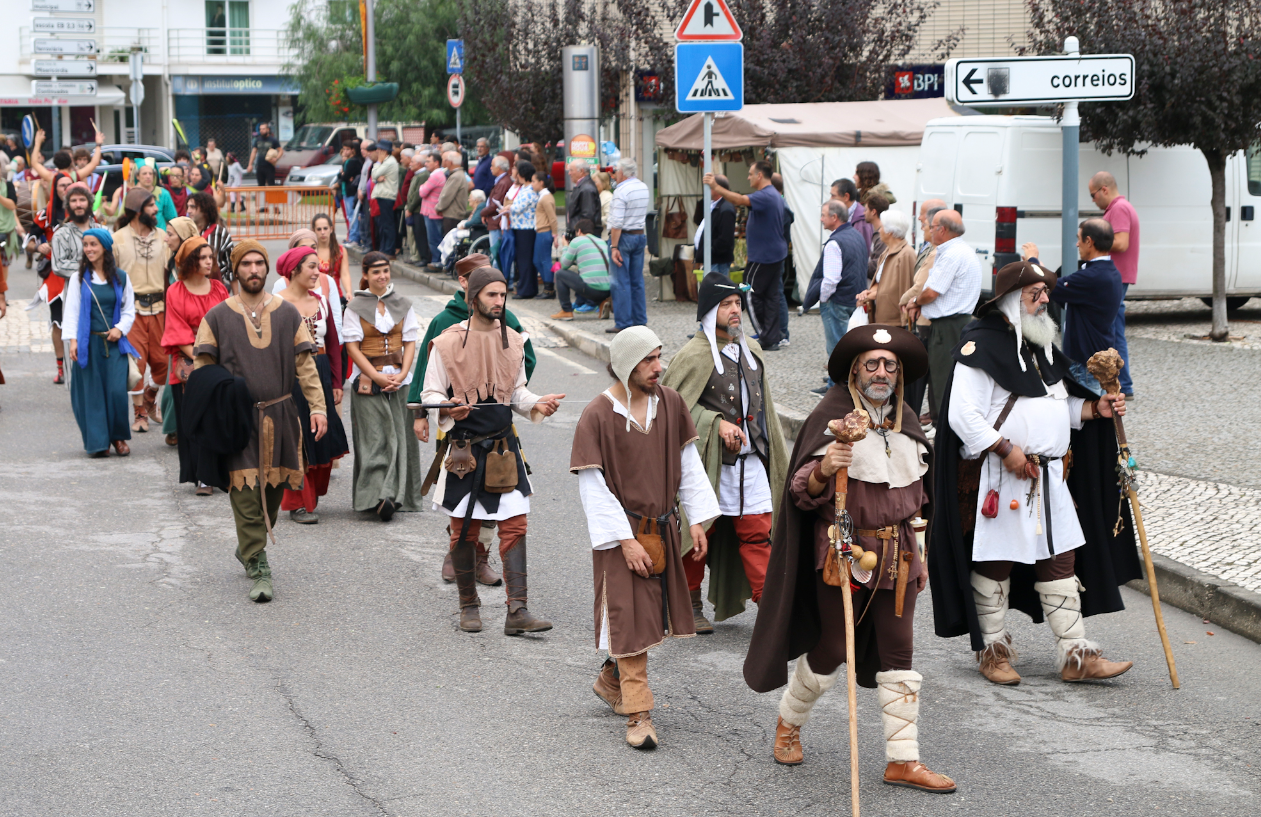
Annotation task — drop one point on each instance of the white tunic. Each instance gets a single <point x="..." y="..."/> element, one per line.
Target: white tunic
<point x="437" y="382"/>
<point x="1039" y="425"/>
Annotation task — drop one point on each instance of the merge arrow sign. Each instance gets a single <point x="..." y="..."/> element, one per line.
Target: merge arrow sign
<point x="969" y="81"/>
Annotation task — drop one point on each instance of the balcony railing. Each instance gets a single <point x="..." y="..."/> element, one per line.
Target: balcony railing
<point x="229" y="45"/>
<point x="114" y="45"/>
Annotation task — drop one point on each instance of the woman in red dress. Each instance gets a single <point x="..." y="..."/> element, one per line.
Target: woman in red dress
<point x="333" y="261"/>
<point x="187" y="302"/>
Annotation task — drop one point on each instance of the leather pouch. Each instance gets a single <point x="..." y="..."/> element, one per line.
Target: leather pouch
<point x="501" y="469"/>
<point x="649" y="536"/>
<point x="364" y="385"/>
<point x="989" y="508"/>
<point x="460" y="461"/>
<point x="183" y="367"/>
<point x="833" y="571"/>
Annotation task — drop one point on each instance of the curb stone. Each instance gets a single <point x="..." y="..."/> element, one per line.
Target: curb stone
<point x="1220" y="601"/>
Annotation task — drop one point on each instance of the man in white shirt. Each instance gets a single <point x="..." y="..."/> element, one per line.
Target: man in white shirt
<point x="627" y="216"/>
<point x="635" y="455"/>
<point x="384" y="192"/>
<point x="949" y="295"/>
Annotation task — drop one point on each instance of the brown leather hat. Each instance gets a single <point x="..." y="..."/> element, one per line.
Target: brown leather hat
<point x="471" y="262"/>
<point x="910" y="351"/>
<point x="1017" y="275"/>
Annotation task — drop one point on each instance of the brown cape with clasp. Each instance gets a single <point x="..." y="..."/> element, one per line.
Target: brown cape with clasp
<point x="788" y="622"/>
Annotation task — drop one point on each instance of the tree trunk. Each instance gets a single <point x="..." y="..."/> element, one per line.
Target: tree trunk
<point x="1217" y="172"/>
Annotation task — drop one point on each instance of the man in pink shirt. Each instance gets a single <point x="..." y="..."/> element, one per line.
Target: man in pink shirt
<point x="1124" y="220"/>
<point x="429" y="193"/>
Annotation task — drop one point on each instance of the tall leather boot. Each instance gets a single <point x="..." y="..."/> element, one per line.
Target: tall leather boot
<point x="519" y="620"/>
<point x="1076" y="658"/>
<point x="462" y="559"/>
<point x="991" y="610"/>
<point x="805" y="687"/>
<point x="898" y="694"/>
<point x="703" y="625"/>
<point x="484" y="573"/>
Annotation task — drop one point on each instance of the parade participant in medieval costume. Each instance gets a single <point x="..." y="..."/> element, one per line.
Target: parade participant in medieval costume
<point x="197" y="291"/>
<point x="721" y="376"/>
<point x="1043" y="537"/>
<point x="480" y="365"/>
<point x="380" y="333"/>
<point x="262" y="339"/>
<point x="801" y="615"/>
<point x="141" y="249"/>
<point x="457" y="312"/>
<point x="638" y="470"/>
<point x="178" y="230"/>
<point x="99" y="312"/>
<point x="66" y="246"/>
<point x="301" y="266"/>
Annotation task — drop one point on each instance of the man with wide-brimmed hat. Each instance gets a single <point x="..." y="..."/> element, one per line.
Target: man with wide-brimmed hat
<point x="721" y="376"/>
<point x="262" y="339"/>
<point x="639" y="473"/>
<point x="1028" y="507"/>
<point x="479" y="365"/>
<point x="455" y="312"/>
<point x="801" y="615"/>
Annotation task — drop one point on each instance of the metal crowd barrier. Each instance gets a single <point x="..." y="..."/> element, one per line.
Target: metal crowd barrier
<point x="274" y="212"/>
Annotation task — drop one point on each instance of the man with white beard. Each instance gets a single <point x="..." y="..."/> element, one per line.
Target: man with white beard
<point x="1043" y="536"/>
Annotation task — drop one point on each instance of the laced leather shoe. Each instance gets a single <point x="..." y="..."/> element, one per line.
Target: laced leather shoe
<point x="915" y="775"/>
<point x="471" y="619"/>
<point x="639" y="731"/>
<point x="787" y="751"/>
<point x="1085" y="664"/>
<point x="702" y="624"/>
<point x="995" y="662"/>
<point x="608" y="687"/>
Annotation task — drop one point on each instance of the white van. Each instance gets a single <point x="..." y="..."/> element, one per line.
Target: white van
<point x="1003" y="173"/>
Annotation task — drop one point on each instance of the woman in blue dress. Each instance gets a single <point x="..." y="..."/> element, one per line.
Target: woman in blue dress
<point x="99" y="310"/>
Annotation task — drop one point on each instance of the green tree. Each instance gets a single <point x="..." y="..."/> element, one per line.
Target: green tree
<point x="1198" y="82"/>
<point x="326" y="45"/>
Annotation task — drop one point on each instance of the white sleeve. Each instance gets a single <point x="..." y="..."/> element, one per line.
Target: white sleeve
<point x="333" y="303"/>
<point x="606" y="520"/>
<point x="280" y="286"/>
<point x="349" y="330"/>
<point x="127" y="314"/>
<point x="832" y="266"/>
<point x="411" y="327"/>
<point x="435" y="388"/>
<point x="1075" y="406"/>
<point x="696" y="495"/>
<point x="971" y="395"/>
<point x="70" y="309"/>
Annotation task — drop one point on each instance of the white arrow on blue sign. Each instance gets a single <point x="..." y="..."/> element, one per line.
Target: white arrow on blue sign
<point x="455" y="56"/>
<point x="708" y="77"/>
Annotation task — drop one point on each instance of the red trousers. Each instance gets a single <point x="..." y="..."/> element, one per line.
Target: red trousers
<point x="753" y="532"/>
<point x="511" y="531"/>
<point x="146" y="336"/>
<point x="314" y="486"/>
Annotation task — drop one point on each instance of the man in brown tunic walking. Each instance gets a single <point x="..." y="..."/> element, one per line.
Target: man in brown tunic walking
<point x="262" y="339"/>
<point x="801" y="615"/>
<point x="635" y="456"/>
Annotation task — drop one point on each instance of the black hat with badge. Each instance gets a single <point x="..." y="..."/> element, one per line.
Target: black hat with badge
<point x="911" y="353"/>
<point x="713" y="290"/>
<point x="1016" y="275"/>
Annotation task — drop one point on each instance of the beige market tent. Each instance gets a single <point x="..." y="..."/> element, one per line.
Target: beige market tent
<point x="814" y="144"/>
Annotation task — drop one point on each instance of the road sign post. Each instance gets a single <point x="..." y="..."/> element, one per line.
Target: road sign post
<point x="1067" y="79"/>
<point x="136" y="70"/>
<point x="455" y="85"/>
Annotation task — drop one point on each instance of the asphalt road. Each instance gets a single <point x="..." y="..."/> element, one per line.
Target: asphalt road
<point x="139" y="680"/>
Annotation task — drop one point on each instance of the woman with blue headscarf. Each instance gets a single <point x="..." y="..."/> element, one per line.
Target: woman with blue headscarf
<point x="100" y="308"/>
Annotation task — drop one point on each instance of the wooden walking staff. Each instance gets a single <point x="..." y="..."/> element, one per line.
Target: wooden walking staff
<point x="1106" y="366"/>
<point x="849" y="429"/>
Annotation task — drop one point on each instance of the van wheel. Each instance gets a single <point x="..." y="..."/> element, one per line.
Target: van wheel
<point x="1233" y="303"/>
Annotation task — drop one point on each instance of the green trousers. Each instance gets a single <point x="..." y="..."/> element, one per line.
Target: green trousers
<point x="251" y="529"/>
<point x="942" y="341"/>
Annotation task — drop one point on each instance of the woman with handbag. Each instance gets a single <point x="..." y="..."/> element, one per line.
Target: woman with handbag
<point x="196" y="290"/>
<point x="302" y="267"/>
<point x="380" y="331"/>
<point x="100" y="309"/>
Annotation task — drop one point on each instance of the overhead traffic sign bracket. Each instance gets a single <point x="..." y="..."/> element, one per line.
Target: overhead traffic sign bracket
<point x="708" y="21"/>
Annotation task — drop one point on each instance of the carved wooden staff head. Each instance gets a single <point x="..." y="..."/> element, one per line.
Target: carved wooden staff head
<point x="1106" y="368"/>
<point x="852" y="427"/>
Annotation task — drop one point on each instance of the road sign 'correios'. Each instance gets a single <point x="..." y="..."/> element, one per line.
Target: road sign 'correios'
<point x="1039" y="80"/>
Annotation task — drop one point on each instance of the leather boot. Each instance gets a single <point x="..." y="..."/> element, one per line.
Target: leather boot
<point x="262" y="591"/>
<point x="995" y="662"/>
<point x="608" y="687"/>
<point x="448" y="569"/>
<point x="639" y="731"/>
<point x="1086" y="664"/>
<point x="703" y="625"/>
<point x="151" y="406"/>
<point x="485" y="575"/>
<point x="519" y="620"/>
<point x="787" y="750"/>
<point x="462" y="561"/>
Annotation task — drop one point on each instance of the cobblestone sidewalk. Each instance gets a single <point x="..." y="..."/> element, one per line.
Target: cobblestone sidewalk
<point x="1188" y="321"/>
<point x="22" y="331"/>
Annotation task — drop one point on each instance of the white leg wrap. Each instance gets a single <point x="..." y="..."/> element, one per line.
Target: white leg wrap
<point x="804" y="688"/>
<point x="1061" y="603"/>
<point x="991" y="607"/>
<point x="899" y="710"/>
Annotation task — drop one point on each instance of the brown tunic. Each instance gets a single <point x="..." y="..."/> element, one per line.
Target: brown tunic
<point x="643" y="470"/>
<point x="478" y="365"/>
<point x="268" y="360"/>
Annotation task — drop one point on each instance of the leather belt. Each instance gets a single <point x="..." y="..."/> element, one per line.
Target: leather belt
<point x="632" y="232"/>
<point x="392" y="359"/>
<point x="665" y="588"/>
<point x="150" y="299"/>
<point x="899" y="569"/>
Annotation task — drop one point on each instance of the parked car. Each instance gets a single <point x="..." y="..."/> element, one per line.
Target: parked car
<point x="112" y="156"/>
<point x="314" y="176"/>
<point x="318" y="142"/>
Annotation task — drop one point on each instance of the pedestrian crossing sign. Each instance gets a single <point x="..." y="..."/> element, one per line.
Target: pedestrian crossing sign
<point x="455" y="56"/>
<point x="708" y="77"/>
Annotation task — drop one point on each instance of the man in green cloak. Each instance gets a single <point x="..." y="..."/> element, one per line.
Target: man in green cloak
<point x="721" y="376"/>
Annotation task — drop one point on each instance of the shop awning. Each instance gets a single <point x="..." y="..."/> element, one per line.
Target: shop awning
<point x="881" y="123"/>
<point x="15" y="92"/>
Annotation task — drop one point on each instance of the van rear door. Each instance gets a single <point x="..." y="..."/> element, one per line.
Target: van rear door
<point x="980" y="161"/>
<point x="1243" y="231"/>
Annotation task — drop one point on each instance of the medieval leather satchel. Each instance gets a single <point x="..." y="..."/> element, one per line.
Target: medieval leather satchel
<point x="366" y="386"/>
<point x="461" y="461"/>
<point x="648" y="535"/>
<point x="183" y="367"/>
<point x="501" y="468"/>
<point x="833" y="571"/>
<point x="970" y="477"/>
<point x="675" y="225"/>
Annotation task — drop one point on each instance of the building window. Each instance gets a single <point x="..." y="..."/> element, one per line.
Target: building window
<point x="227" y="27"/>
